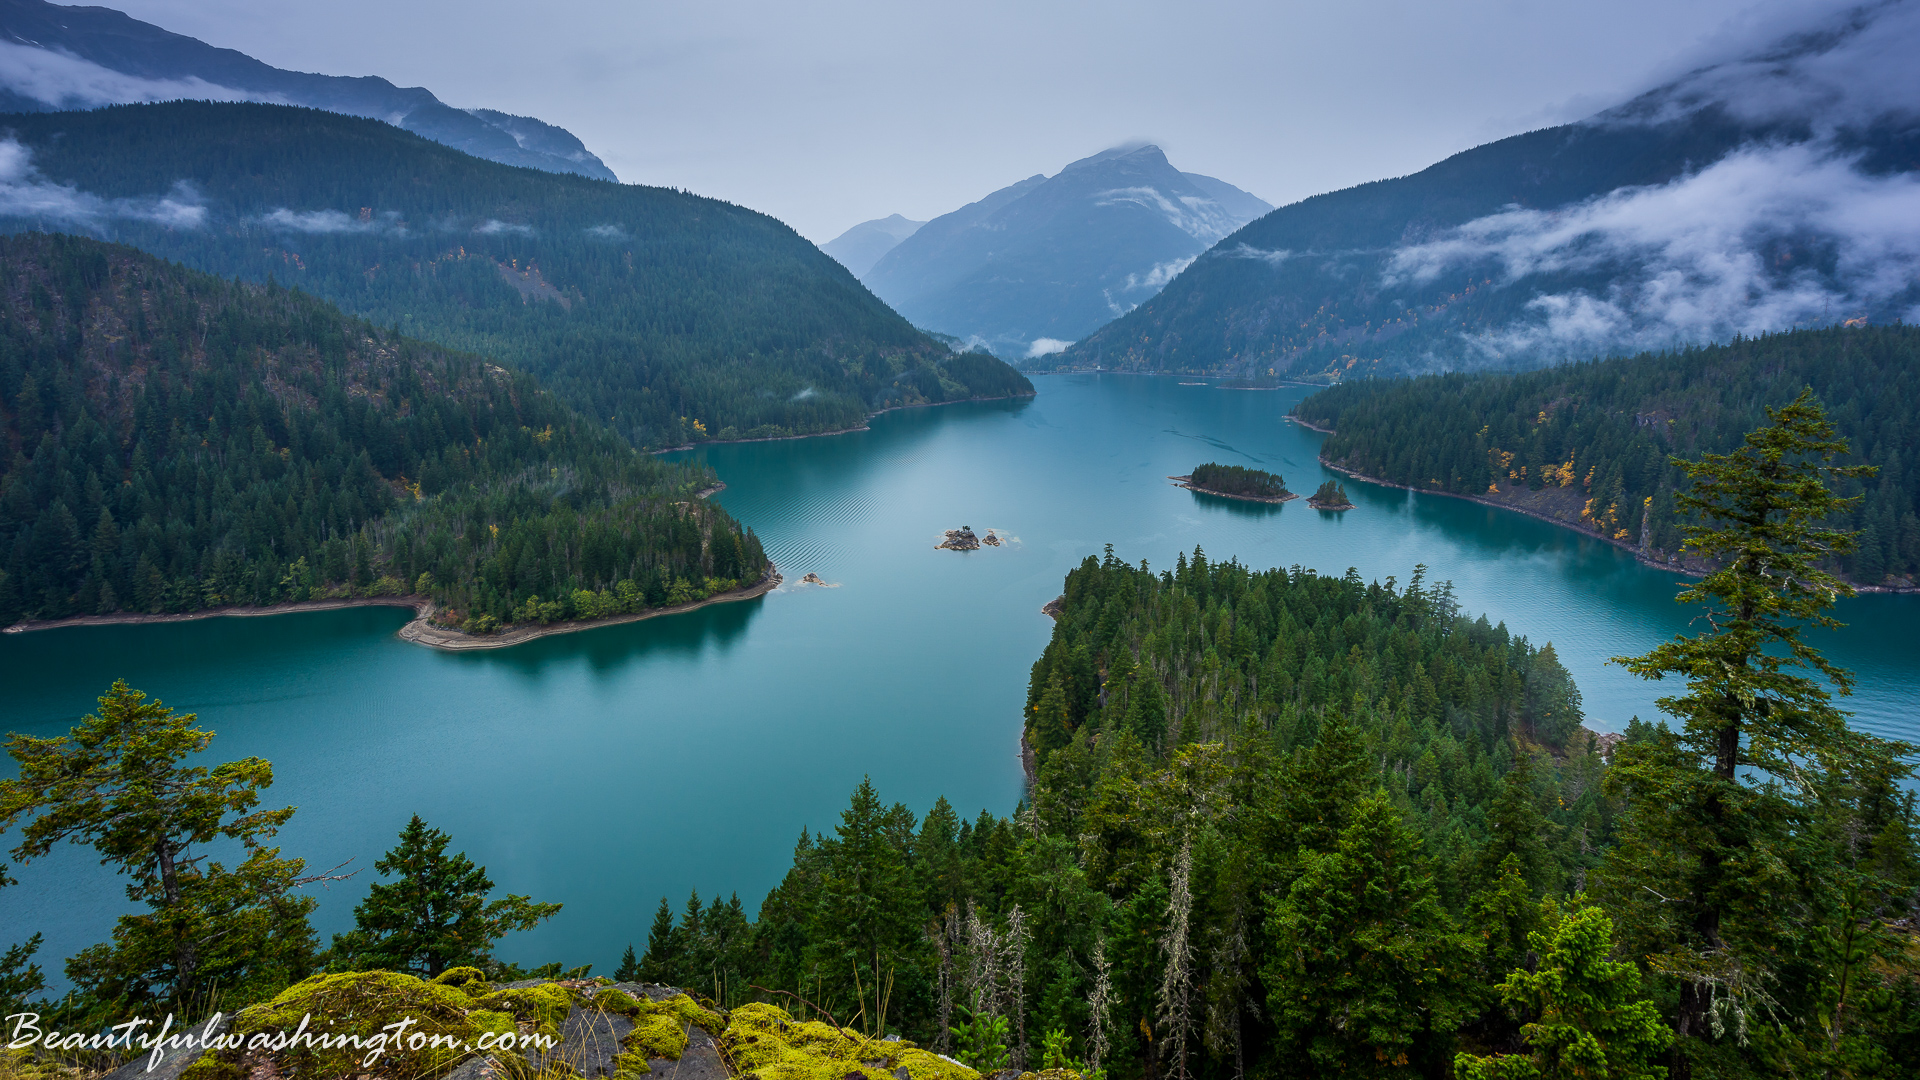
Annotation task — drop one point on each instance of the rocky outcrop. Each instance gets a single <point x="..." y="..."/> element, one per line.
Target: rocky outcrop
<point x="960" y="539"/>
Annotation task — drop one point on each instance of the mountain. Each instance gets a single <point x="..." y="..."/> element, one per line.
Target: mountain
<point x="175" y="441"/>
<point x="1044" y="261"/>
<point x="1774" y="190"/>
<point x="861" y="246"/>
<point x="673" y="317"/>
<point x="54" y="57"/>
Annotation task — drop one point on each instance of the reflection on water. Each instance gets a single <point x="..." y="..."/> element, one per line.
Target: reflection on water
<point x="607" y="768"/>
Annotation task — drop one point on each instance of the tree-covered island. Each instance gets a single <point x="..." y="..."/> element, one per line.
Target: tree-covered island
<point x="1330" y="495"/>
<point x="1236" y="482"/>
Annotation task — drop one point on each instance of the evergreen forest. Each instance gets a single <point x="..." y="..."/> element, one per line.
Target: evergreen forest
<point x="1606" y="429"/>
<point x="1238" y="480"/>
<point x="673" y="318"/>
<point x="174" y="441"/>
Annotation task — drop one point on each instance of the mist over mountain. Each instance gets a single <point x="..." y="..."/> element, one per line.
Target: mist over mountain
<point x="671" y="317"/>
<point x="54" y="58"/>
<point x="861" y="246"/>
<point x="1770" y="190"/>
<point x="1040" y="263"/>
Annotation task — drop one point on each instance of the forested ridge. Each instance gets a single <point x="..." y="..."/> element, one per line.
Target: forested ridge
<point x="177" y="441"/>
<point x="1588" y="443"/>
<point x="672" y="317"/>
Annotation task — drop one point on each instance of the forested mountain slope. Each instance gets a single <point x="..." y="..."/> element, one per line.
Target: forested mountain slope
<point x="672" y="317"/>
<point x="57" y="56"/>
<point x="1763" y="193"/>
<point x="1587" y="444"/>
<point x="175" y="441"/>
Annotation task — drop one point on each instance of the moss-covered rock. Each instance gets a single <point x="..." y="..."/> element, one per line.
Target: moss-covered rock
<point x="544" y="1006"/>
<point x="691" y="1012"/>
<point x="470" y="981"/>
<point x="618" y="1002"/>
<point x="765" y="1043"/>
<point x="364" y="1006"/>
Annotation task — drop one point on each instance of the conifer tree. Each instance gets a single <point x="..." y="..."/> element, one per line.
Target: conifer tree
<point x="662" y="960"/>
<point x="629" y="969"/>
<point x="117" y="783"/>
<point x="434" y="914"/>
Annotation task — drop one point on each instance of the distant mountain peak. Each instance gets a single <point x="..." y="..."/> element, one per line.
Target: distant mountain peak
<point x="860" y="247"/>
<point x="54" y="58"/>
<point x="1044" y="261"/>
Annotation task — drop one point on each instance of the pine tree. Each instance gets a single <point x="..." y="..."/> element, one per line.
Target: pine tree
<point x="1590" y="1022"/>
<point x="434" y="914"/>
<point x="629" y="969"/>
<point x="117" y="782"/>
<point x="661" y="964"/>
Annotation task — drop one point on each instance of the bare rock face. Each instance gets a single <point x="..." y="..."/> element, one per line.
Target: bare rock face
<point x="960" y="539"/>
<point x="589" y="1041"/>
<point x="175" y="1059"/>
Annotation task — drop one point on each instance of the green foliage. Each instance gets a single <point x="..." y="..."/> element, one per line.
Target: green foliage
<point x="1747" y="824"/>
<point x="1330" y="494"/>
<point x="980" y="1040"/>
<point x="1592" y="1023"/>
<point x="434" y="915"/>
<point x="20" y="977"/>
<point x="1590" y="442"/>
<point x="117" y="783"/>
<point x="179" y="442"/>
<point x="673" y="317"/>
<point x="1238" y="480"/>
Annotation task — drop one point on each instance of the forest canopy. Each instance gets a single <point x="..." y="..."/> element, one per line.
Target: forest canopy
<point x="1605" y="430"/>
<point x="176" y="441"/>
<point x="1238" y="480"/>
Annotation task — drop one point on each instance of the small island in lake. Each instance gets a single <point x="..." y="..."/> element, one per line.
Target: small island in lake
<point x="1330" y="496"/>
<point x="1235" y="482"/>
<point x="964" y="539"/>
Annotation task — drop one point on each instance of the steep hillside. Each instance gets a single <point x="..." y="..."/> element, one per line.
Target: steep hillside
<point x="175" y="441"/>
<point x="1587" y="444"/>
<point x="673" y="317"/>
<point x="1042" y="262"/>
<point x="56" y="57"/>
<point x="1772" y="191"/>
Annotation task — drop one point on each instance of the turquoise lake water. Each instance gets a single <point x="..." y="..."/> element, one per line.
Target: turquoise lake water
<point x="608" y="768"/>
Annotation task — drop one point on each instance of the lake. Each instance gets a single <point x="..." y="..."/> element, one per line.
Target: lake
<point x="608" y="768"/>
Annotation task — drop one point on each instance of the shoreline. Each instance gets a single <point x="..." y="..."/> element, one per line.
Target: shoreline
<point x="1638" y="556"/>
<point x="1310" y="427"/>
<point x="1186" y="482"/>
<point x="418" y="630"/>
<point x="838" y="431"/>
<point x="421" y="632"/>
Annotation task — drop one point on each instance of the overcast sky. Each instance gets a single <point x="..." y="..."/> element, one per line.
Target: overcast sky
<point x="825" y="115"/>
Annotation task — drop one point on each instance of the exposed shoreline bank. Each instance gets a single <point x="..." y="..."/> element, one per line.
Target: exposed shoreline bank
<point x="421" y="632"/>
<point x="418" y="630"/>
<point x="839" y="431"/>
<point x="1187" y="482"/>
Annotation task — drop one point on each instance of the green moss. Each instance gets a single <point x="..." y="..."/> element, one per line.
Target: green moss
<point x="658" y="1034"/>
<point x="362" y="1004"/>
<point x="631" y="1064"/>
<point x="616" y="1001"/>
<point x="693" y="1013"/>
<point x="470" y="981"/>
<point x="765" y="1043"/>
<point x="213" y="1067"/>
<point x="545" y="1006"/>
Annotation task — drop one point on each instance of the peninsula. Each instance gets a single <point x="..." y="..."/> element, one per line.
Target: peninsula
<point x="1236" y="482"/>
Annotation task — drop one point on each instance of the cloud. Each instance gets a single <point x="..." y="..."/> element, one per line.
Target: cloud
<point x="68" y="82"/>
<point x="1046" y="346"/>
<point x="1833" y="70"/>
<point x="1243" y="250"/>
<point x="24" y="193"/>
<point x="495" y="227"/>
<point x="1157" y="278"/>
<point x="1767" y="238"/>
<point x="804" y="394"/>
<point x="607" y="232"/>
<point x="333" y="221"/>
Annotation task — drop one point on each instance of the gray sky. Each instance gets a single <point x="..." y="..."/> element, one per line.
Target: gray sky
<point x="825" y="115"/>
